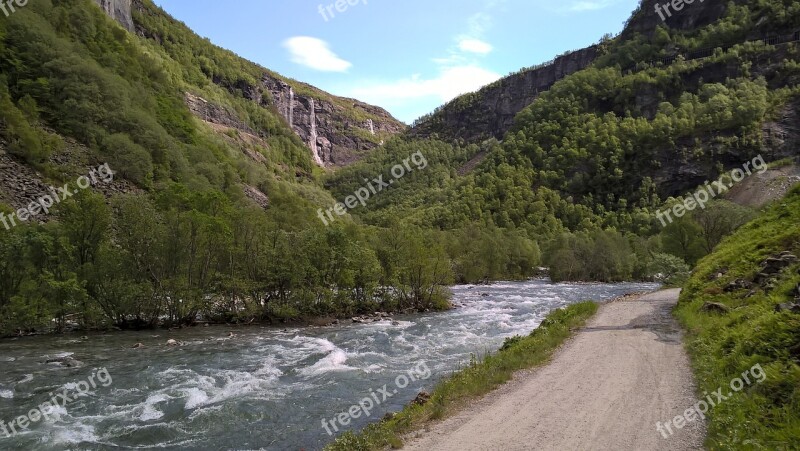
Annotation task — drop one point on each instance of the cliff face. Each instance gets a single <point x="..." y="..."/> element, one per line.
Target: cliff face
<point x="645" y="20"/>
<point x="334" y="136"/>
<point x="490" y="112"/>
<point x="338" y="131"/>
<point x="119" y="10"/>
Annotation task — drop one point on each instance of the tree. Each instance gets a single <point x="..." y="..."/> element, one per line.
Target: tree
<point x="718" y="220"/>
<point x="669" y="269"/>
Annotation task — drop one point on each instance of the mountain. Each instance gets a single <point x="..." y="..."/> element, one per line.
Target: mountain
<point x="219" y="199"/>
<point x="490" y="112"/>
<point x="338" y="131"/>
<point x="651" y="113"/>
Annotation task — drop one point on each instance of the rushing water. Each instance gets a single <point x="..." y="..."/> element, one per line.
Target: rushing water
<point x="265" y="388"/>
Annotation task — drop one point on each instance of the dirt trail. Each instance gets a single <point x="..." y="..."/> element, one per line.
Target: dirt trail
<point x="604" y="390"/>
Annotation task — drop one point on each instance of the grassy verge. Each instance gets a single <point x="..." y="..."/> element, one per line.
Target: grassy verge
<point x="748" y="330"/>
<point x="479" y="378"/>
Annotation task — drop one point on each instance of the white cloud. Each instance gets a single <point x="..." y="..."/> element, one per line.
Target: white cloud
<point x="475" y="46"/>
<point x="459" y="72"/>
<point x="588" y="5"/>
<point x="451" y="83"/>
<point x="315" y="53"/>
<point x="478" y="23"/>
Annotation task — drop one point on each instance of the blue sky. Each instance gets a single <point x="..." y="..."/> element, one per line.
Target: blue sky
<point x="408" y="56"/>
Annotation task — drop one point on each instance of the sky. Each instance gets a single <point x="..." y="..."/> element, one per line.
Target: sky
<point x="408" y="56"/>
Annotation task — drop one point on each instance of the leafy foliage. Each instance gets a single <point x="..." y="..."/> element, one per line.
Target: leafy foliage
<point x="725" y="345"/>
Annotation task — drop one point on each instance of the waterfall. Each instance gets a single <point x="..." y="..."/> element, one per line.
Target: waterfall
<point x="290" y="108"/>
<point x="313" y="138"/>
<point x="371" y="126"/>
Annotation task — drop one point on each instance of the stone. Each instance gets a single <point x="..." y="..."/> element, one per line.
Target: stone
<point x="788" y="307"/>
<point x="718" y="274"/>
<point x="67" y="362"/>
<point x="738" y="284"/>
<point x="172" y="342"/>
<point x="422" y="398"/>
<point x="138" y="346"/>
<point x="715" y="307"/>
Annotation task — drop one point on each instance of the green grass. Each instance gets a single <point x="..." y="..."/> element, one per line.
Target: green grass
<point x="479" y="378"/>
<point x="722" y="346"/>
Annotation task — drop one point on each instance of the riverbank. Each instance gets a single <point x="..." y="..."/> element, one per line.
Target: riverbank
<point x="477" y="379"/>
<point x="265" y="388"/>
<point x="607" y="388"/>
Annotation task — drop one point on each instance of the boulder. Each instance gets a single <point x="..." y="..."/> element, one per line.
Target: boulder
<point x="172" y="342"/>
<point x="422" y="398"/>
<point x="788" y="307"/>
<point x="67" y="362"/>
<point x="715" y="307"/>
<point x="138" y="346"/>
<point x="772" y="266"/>
<point x="738" y="284"/>
<point x="718" y="274"/>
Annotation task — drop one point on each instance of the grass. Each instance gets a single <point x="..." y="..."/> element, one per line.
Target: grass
<point x="723" y="345"/>
<point x="479" y="378"/>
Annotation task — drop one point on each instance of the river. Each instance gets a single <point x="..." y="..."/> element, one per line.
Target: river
<point x="265" y="388"/>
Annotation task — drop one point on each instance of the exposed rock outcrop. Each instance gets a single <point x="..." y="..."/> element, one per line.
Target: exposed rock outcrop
<point x="773" y="266"/>
<point x="334" y="137"/>
<point x="119" y="10"/>
<point x="21" y="184"/>
<point x="215" y="114"/>
<point x="490" y="112"/>
<point x="715" y="307"/>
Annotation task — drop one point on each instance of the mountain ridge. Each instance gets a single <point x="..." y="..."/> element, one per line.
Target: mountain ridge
<point x="337" y="130"/>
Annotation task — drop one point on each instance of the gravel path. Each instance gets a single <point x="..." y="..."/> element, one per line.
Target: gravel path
<point x="604" y="390"/>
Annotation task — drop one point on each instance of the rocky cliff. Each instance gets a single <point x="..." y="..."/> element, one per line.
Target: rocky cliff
<point x="338" y="131"/>
<point x="119" y="10"/>
<point x="336" y="135"/>
<point x="490" y="112"/>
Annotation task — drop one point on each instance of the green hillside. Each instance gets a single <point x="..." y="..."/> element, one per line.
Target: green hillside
<point x="585" y="167"/>
<point x="226" y="221"/>
<point x="741" y="309"/>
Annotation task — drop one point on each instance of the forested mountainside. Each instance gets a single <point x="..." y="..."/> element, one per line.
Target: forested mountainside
<point x="338" y="131"/>
<point x="223" y="202"/>
<point x="198" y="202"/>
<point x="603" y="148"/>
<point x="490" y="112"/>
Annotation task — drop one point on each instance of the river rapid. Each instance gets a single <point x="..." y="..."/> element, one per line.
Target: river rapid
<point x="265" y="388"/>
